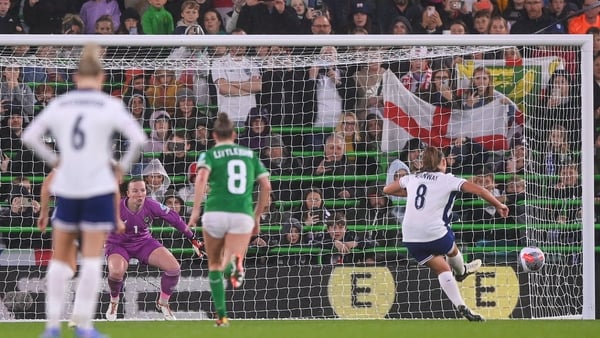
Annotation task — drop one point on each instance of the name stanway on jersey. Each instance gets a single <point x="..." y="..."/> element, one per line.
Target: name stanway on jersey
<point x="429" y="202"/>
<point x="83" y="123"/>
<point x="233" y="172"/>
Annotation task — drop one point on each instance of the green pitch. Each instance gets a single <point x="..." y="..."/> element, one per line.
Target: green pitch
<point x="328" y="329"/>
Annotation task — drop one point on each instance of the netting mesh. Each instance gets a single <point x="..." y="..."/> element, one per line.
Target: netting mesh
<point x="333" y="125"/>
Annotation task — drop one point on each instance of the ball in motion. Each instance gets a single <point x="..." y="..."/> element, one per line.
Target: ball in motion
<point x="532" y="258"/>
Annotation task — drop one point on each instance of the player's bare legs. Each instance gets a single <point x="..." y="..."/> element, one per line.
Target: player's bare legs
<point x="164" y="260"/>
<point x="440" y="267"/>
<point x="214" y="250"/>
<point x="86" y="297"/>
<point x="234" y="251"/>
<point x="60" y="271"/>
<point x="117" y="267"/>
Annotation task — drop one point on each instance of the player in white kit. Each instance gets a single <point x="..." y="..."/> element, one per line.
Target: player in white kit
<point x="83" y="122"/>
<point x="426" y="229"/>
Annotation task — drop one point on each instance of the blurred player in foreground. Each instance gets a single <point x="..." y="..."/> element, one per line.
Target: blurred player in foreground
<point x="228" y="221"/>
<point x="83" y="122"/>
<point x="137" y="212"/>
<point x="426" y="227"/>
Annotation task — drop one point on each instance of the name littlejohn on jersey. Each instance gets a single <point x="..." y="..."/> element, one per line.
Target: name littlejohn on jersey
<point x="233" y="152"/>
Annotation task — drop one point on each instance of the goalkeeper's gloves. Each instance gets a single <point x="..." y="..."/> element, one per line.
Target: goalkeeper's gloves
<point x="198" y="247"/>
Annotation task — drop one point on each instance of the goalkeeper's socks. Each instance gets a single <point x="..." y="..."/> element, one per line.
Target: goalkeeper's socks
<point x="115" y="285"/>
<point x="86" y="298"/>
<point x="169" y="281"/>
<point x="57" y="278"/>
<point x="450" y="287"/>
<point x="457" y="263"/>
<point x="215" y="278"/>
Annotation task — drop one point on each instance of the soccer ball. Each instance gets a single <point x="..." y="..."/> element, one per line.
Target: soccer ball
<point x="532" y="258"/>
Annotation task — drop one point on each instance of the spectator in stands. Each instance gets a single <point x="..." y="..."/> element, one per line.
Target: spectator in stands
<point x="176" y="158"/>
<point x="304" y="14"/>
<point x="480" y="90"/>
<point x="186" y="110"/>
<point x="514" y="11"/>
<point x="396" y="171"/>
<point x="555" y="151"/>
<point x="200" y="137"/>
<point x="157" y="180"/>
<point x="590" y="18"/>
<point x="162" y="94"/>
<point x="392" y="12"/>
<point x="567" y="188"/>
<point x="174" y="202"/>
<point x="514" y="190"/>
<point x="9" y="24"/>
<point x="72" y="24"/>
<point x="237" y="80"/>
<point x="277" y="159"/>
<point x="596" y="33"/>
<point x="498" y="25"/>
<point x="283" y="91"/>
<point x="136" y="101"/>
<point x="312" y="211"/>
<point x="332" y="90"/>
<point x="269" y="17"/>
<point x="334" y="162"/>
<point x="156" y="19"/>
<point x="418" y="77"/>
<point x="174" y="6"/>
<point x="517" y="162"/>
<point x="458" y="27"/>
<point x="442" y="90"/>
<point x="131" y="22"/>
<point x="349" y="128"/>
<point x="341" y="241"/>
<point x="481" y="21"/>
<point x="400" y="26"/>
<point x="430" y="22"/>
<point x="212" y="22"/>
<point x="376" y="210"/>
<point x="231" y="16"/>
<point x="160" y="126"/>
<point x="45" y="16"/>
<point x="104" y="25"/>
<point x="535" y="20"/>
<point x="369" y="82"/>
<point x="14" y="91"/>
<point x="320" y="25"/>
<point x="561" y="9"/>
<point x="411" y="154"/>
<point x="22" y="212"/>
<point x="11" y="129"/>
<point x="559" y="105"/>
<point x="466" y="157"/>
<point x="44" y="93"/>
<point x="41" y="74"/>
<point x="257" y="129"/>
<point x="186" y="192"/>
<point x="361" y="16"/>
<point x="190" y="12"/>
<point x="291" y="235"/>
<point x="373" y="132"/>
<point x="92" y="10"/>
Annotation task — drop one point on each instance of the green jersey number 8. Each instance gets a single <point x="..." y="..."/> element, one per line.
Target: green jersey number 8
<point x="236" y="177"/>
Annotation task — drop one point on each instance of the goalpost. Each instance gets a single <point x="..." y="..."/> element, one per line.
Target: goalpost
<point x="542" y="164"/>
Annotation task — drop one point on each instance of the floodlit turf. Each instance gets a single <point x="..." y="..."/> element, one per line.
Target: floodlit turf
<point x="328" y="329"/>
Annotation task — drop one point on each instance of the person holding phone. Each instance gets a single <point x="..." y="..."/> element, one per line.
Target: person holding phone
<point x="480" y="90"/>
<point x="430" y="23"/>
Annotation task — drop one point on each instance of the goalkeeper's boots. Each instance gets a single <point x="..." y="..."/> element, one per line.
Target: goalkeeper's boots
<point x="198" y="247"/>
<point x="166" y="310"/>
<point x="470" y="268"/>
<point x="222" y="322"/>
<point x="469" y="314"/>
<point x="88" y="333"/>
<point x="51" y="333"/>
<point x="111" y="313"/>
<point x="238" y="273"/>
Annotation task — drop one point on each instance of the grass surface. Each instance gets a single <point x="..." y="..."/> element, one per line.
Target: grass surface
<point x="327" y="329"/>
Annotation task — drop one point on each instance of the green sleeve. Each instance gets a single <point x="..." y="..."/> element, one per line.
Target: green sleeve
<point x="171" y="26"/>
<point x="147" y="23"/>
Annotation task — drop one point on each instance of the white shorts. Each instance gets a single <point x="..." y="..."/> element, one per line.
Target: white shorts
<point x="219" y="223"/>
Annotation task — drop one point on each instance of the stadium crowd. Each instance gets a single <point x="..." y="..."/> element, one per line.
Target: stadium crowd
<point x="339" y="105"/>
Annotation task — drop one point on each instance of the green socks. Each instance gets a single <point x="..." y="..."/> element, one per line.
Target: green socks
<point x="215" y="278"/>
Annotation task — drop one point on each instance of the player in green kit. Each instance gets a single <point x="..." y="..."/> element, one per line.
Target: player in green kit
<point x="229" y="219"/>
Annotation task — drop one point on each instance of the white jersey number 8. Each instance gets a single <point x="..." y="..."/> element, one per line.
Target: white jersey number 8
<point x="236" y="177"/>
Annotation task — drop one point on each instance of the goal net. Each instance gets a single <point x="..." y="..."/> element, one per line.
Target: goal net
<point x="334" y="119"/>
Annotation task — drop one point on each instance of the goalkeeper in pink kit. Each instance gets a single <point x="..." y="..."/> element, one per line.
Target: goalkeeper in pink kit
<point x="138" y="213"/>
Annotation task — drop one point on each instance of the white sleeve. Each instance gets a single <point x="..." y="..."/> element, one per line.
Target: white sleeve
<point x="218" y="72"/>
<point x="132" y="130"/>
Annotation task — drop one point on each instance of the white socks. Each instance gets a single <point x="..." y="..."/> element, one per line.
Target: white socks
<point x="450" y="287"/>
<point x="86" y="298"/>
<point x="457" y="263"/>
<point x="57" y="278"/>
